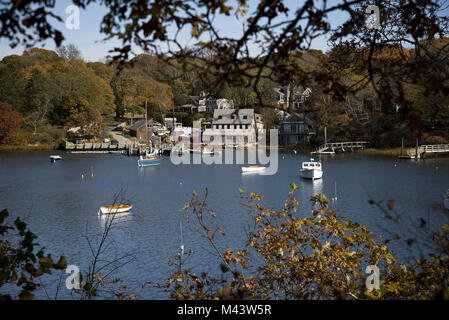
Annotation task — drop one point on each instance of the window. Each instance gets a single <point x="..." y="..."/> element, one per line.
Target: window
<point x="229" y="126"/>
<point x="293" y="128"/>
<point x="220" y="117"/>
<point x="246" y="126"/>
<point x="241" y="126"/>
<point x="245" y="117"/>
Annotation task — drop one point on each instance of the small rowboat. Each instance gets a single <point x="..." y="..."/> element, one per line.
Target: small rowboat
<point x="116" y="209"/>
<point x="253" y="169"/>
<point x="55" y="158"/>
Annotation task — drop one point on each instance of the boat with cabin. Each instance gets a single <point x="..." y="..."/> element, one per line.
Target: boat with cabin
<point x="311" y="170"/>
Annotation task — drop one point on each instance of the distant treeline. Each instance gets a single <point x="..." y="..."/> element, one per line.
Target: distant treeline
<point x="43" y="93"/>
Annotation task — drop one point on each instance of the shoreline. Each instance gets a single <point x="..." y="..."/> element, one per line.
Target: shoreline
<point x="42" y="147"/>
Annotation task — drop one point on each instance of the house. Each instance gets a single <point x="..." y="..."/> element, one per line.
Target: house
<point x="213" y="104"/>
<point x="138" y="129"/>
<point x="300" y="95"/>
<point x="203" y="103"/>
<point x="295" y="129"/>
<point x="240" y="123"/>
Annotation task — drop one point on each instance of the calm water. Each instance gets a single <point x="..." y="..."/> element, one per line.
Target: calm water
<point x="61" y="207"/>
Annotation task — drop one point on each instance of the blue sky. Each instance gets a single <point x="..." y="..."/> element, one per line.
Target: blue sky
<point x="89" y="40"/>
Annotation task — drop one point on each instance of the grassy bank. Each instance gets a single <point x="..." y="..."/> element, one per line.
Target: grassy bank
<point x="40" y="147"/>
<point x="299" y="148"/>
<point x="386" y="152"/>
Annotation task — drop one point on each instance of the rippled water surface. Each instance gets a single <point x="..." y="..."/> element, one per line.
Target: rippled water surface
<point x="61" y="207"/>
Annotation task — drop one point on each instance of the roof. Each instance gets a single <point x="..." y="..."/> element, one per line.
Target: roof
<point x="297" y="117"/>
<point x="137" y="125"/>
<point x="233" y="116"/>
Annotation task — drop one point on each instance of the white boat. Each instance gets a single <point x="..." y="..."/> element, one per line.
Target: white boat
<point x="446" y="200"/>
<point x="311" y="170"/>
<point x="253" y="169"/>
<point x="116" y="209"/>
<point x="54" y="158"/>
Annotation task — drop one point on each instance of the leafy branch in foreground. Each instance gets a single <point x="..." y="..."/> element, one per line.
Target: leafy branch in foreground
<point x="292" y="254"/>
<point x="22" y="265"/>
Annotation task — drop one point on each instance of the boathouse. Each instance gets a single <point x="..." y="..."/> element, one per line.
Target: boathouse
<point x="295" y="129"/>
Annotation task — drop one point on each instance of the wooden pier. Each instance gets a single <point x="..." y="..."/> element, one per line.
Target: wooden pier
<point x="419" y="151"/>
<point x="332" y="147"/>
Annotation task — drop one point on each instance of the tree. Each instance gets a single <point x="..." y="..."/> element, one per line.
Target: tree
<point x="41" y="93"/>
<point x="10" y="120"/>
<point x="291" y="254"/>
<point x="69" y="53"/>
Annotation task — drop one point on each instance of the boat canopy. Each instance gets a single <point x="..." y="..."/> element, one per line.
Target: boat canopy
<point x="311" y="165"/>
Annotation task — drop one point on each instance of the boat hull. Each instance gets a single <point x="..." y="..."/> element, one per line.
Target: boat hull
<point x="55" y="158"/>
<point x="115" y="209"/>
<point x="253" y="169"/>
<point x="148" y="162"/>
<point x="312" y="174"/>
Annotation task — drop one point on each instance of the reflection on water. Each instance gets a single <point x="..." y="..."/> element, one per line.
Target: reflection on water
<point x="114" y="219"/>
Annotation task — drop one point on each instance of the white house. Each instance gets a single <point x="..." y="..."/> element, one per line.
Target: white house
<point x="238" y="125"/>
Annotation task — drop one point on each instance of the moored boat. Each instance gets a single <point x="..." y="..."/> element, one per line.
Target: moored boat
<point x="54" y="158"/>
<point x="253" y="169"/>
<point x="311" y="170"/>
<point x="147" y="161"/>
<point x="116" y="209"/>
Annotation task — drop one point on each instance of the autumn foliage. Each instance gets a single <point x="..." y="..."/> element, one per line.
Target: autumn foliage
<point x="10" y="120"/>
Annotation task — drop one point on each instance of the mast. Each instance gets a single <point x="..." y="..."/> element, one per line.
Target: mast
<point x="146" y="124"/>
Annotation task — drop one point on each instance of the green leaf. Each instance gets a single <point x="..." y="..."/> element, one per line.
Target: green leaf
<point x="62" y="263"/>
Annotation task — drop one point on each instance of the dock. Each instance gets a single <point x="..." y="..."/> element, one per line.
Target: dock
<point x="420" y="151"/>
<point x="331" y="147"/>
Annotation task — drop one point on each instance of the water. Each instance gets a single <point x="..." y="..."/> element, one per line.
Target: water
<point x="61" y="207"/>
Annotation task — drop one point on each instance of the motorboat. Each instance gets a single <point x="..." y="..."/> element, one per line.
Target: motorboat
<point x="55" y="158"/>
<point x="253" y="169"/>
<point x="116" y="209"/>
<point x="311" y="170"/>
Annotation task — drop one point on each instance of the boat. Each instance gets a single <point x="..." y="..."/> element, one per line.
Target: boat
<point x="55" y="158"/>
<point x="311" y="170"/>
<point x="253" y="169"/>
<point x="446" y="200"/>
<point x="116" y="209"/>
<point x="150" y="157"/>
<point x="147" y="161"/>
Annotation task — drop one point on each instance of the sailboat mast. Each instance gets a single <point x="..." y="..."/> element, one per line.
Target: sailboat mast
<point x="146" y="123"/>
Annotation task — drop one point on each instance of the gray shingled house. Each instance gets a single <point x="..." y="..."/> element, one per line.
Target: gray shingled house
<point x="235" y="122"/>
<point x="295" y="129"/>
